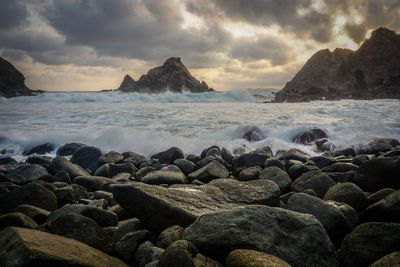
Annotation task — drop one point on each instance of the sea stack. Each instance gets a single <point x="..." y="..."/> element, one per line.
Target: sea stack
<point x="12" y="82"/>
<point x="171" y="76"/>
<point x="370" y="72"/>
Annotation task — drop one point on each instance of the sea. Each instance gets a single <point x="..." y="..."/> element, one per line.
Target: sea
<point x="147" y="124"/>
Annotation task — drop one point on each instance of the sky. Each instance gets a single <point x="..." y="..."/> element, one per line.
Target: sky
<point x="72" y="45"/>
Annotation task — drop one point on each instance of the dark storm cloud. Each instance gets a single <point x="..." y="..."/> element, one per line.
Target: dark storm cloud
<point x="12" y="13"/>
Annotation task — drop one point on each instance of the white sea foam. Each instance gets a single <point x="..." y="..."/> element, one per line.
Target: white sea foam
<point x="149" y="127"/>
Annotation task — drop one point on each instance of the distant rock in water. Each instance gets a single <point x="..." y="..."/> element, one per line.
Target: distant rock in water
<point x="12" y="82"/>
<point x="372" y="71"/>
<point x="172" y="76"/>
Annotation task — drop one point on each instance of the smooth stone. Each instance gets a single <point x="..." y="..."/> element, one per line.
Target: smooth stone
<point x="143" y="172"/>
<point x="26" y="173"/>
<point x="275" y="162"/>
<point x="39" y="160"/>
<point x="379" y="173"/>
<point x="169" y="236"/>
<point x="83" y="229"/>
<point x="209" y="172"/>
<point x="248" y="160"/>
<point x="40" y="149"/>
<point x="379" y="195"/>
<point x="96" y="203"/>
<point x="193" y="158"/>
<point x="69" y="149"/>
<point x="295" y="154"/>
<point x="226" y="155"/>
<point x="278" y="176"/>
<point x="348" y="193"/>
<point x="265" y="150"/>
<point x="110" y="169"/>
<point x="185" y="165"/>
<point x="315" y="180"/>
<point x="296" y="170"/>
<point x="70" y="194"/>
<point x="389" y="260"/>
<point x="37" y="214"/>
<point x="323" y="161"/>
<point x="252" y="134"/>
<point x="27" y="247"/>
<point x="169" y="156"/>
<point x="248" y="257"/>
<point x="32" y="194"/>
<point x="110" y="157"/>
<point x="126" y="226"/>
<point x="360" y="159"/>
<point x="370" y="242"/>
<point x="7" y="160"/>
<point x="342" y="177"/>
<point x="126" y="246"/>
<point x="340" y="167"/>
<point x="385" y="210"/>
<point x="203" y="162"/>
<point x="299" y="239"/>
<point x="184" y="253"/>
<point x="16" y="219"/>
<point x="349" y="213"/>
<point x="139" y="160"/>
<point x="248" y="174"/>
<point x="87" y="157"/>
<point x="63" y="164"/>
<point x="309" y="136"/>
<point x="92" y="183"/>
<point x="146" y="253"/>
<point x="203" y="153"/>
<point x="164" y="177"/>
<point x="61" y="177"/>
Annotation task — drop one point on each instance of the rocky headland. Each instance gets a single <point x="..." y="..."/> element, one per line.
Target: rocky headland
<point x="370" y="72"/>
<point x="171" y="76"/>
<point x="86" y="207"/>
<point x="12" y="82"/>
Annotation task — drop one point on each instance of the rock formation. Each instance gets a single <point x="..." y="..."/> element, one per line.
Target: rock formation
<point x="172" y="76"/>
<point x="12" y="82"/>
<point x="372" y="71"/>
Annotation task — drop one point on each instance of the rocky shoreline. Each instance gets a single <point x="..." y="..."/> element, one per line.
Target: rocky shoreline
<point x="89" y="208"/>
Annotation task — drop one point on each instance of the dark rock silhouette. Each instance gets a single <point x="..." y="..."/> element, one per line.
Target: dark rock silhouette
<point x="372" y="71"/>
<point x="172" y="76"/>
<point x="12" y="82"/>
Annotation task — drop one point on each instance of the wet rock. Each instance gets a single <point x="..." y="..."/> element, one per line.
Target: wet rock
<point x="379" y="195"/>
<point x="110" y="157"/>
<point x="340" y="167"/>
<point x="392" y="153"/>
<point x="169" y="236"/>
<point x="278" y="176"/>
<point x="253" y="134"/>
<point x="43" y="161"/>
<point x="139" y="160"/>
<point x="342" y="177"/>
<point x="203" y="153"/>
<point x="7" y="160"/>
<point x="295" y="154"/>
<point x="143" y="172"/>
<point x="24" y="173"/>
<point x="193" y="158"/>
<point x="159" y="207"/>
<point x="226" y="155"/>
<point x="87" y="157"/>
<point x="126" y="226"/>
<point x="248" y="174"/>
<point x="62" y="164"/>
<point x="369" y="242"/>
<point x="169" y="156"/>
<point x="330" y="217"/>
<point x="126" y="246"/>
<point x="164" y="177"/>
<point x="275" y="162"/>
<point x="296" y="238"/>
<point x="309" y="136"/>
<point x="385" y="210"/>
<point x="297" y="169"/>
<point x="209" y="172"/>
<point x="16" y="219"/>
<point x="185" y="165"/>
<point x="34" y="248"/>
<point x="184" y="253"/>
<point x="349" y="214"/>
<point x="37" y="214"/>
<point x="248" y="257"/>
<point x="81" y="228"/>
<point x="31" y="194"/>
<point x="374" y="147"/>
<point x="392" y="259"/>
<point x="101" y="217"/>
<point x="248" y="160"/>
<point x="104" y="195"/>
<point x="110" y="169"/>
<point x="92" y="183"/>
<point x="69" y="149"/>
<point x="315" y="180"/>
<point x="379" y="173"/>
<point x="347" y="152"/>
<point x="348" y="193"/>
<point x="360" y="159"/>
<point x="265" y="150"/>
<point x="61" y="177"/>
<point x="40" y="149"/>
<point x="70" y="194"/>
<point x="147" y="253"/>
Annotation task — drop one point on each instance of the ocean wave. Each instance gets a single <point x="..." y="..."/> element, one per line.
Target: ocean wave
<point x="120" y="97"/>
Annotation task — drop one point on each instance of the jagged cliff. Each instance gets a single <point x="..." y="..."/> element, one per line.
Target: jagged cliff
<point x="12" y="82"/>
<point x="372" y="71"/>
<point x="172" y="76"/>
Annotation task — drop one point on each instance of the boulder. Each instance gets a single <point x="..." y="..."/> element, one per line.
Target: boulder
<point x="110" y="170"/>
<point x="87" y="157"/>
<point x="226" y="155"/>
<point x="248" y="174"/>
<point x="164" y="177"/>
<point x="83" y="229"/>
<point x="25" y="173"/>
<point x="184" y="253"/>
<point x="323" y="161"/>
<point x="330" y="217"/>
<point x="32" y="194"/>
<point x="248" y="160"/>
<point x="309" y="136"/>
<point x="110" y="157"/>
<point x="70" y="194"/>
<point x="299" y="239"/>
<point x="297" y="169"/>
<point x="12" y="82"/>
<point x="278" y="176"/>
<point x="385" y="210"/>
<point x="92" y="183"/>
<point x="248" y="257"/>
<point x="126" y="226"/>
<point x="211" y="171"/>
<point x="295" y="154"/>
<point x="140" y="161"/>
<point x="392" y="259"/>
<point x="159" y="207"/>
<point x="6" y="160"/>
<point x="61" y="176"/>
<point x="375" y="147"/>
<point x="379" y="195"/>
<point x="348" y="193"/>
<point x="275" y="162"/>
<point x="143" y="172"/>
<point x="369" y="242"/>
<point x="69" y="149"/>
<point x="315" y="180"/>
<point x="43" y="161"/>
<point x="169" y="156"/>
<point x="253" y="134"/>
<point x="37" y="214"/>
<point x="62" y="164"/>
<point x="40" y="149"/>
<point x="349" y="213"/>
<point x="185" y="165"/>
<point x="16" y="219"/>
<point x="340" y="167"/>
<point x="126" y="246"/>
<point x="146" y="253"/>
<point x="26" y="247"/>
<point x="169" y="236"/>
<point x="379" y="173"/>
